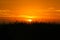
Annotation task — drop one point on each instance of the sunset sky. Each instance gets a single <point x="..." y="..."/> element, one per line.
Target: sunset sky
<point x="30" y="9"/>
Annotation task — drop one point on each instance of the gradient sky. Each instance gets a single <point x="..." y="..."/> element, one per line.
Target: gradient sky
<point x="44" y="8"/>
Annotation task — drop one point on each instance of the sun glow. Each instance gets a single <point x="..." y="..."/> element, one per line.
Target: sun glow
<point x="29" y="20"/>
<point x="26" y="16"/>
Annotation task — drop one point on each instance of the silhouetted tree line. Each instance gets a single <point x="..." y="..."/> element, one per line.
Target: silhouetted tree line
<point x="18" y="29"/>
<point x="36" y="24"/>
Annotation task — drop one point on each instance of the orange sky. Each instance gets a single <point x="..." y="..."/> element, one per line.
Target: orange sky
<point x="39" y="10"/>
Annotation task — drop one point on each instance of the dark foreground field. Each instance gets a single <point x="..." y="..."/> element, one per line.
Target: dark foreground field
<point x="19" y="31"/>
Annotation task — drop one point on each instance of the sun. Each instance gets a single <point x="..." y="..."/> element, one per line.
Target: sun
<point x="29" y="20"/>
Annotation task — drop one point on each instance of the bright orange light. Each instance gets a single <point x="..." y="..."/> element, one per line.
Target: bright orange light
<point x="30" y="20"/>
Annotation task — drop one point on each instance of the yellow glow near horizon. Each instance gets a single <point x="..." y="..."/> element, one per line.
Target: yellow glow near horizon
<point x="29" y="20"/>
<point x="27" y="16"/>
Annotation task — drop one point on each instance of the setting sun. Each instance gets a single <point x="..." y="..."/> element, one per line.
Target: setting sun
<point x="29" y="20"/>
